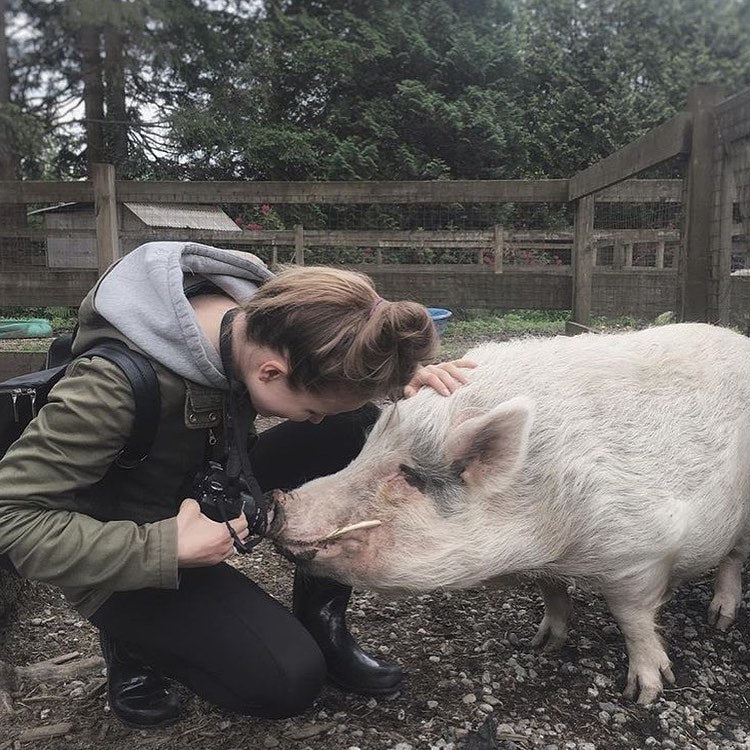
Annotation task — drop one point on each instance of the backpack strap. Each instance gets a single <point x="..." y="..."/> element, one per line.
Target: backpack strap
<point x="143" y="382"/>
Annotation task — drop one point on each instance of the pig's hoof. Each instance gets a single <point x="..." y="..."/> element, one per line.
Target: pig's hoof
<point x="722" y="610"/>
<point x="647" y="692"/>
<point x="550" y="636"/>
<point x="647" y="683"/>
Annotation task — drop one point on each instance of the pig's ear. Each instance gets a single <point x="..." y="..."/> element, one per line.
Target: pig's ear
<point x="492" y="446"/>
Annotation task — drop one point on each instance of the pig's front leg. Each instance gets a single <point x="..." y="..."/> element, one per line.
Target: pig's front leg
<point x="728" y="588"/>
<point x="553" y="629"/>
<point x="635" y="612"/>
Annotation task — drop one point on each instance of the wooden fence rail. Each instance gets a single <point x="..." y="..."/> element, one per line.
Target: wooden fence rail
<point x="435" y="191"/>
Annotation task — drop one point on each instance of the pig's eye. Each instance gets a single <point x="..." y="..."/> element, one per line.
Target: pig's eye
<point x="412" y="477"/>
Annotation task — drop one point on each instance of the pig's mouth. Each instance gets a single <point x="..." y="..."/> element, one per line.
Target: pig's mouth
<point x="304" y="550"/>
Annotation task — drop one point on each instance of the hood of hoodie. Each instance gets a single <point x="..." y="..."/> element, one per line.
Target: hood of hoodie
<point x="143" y="297"/>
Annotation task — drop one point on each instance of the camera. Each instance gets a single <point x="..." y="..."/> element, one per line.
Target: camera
<point x="222" y="499"/>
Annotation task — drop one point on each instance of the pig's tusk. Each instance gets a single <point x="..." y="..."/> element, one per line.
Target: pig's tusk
<point x="353" y="527"/>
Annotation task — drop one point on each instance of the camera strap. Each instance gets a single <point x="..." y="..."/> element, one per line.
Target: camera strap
<point x="238" y="415"/>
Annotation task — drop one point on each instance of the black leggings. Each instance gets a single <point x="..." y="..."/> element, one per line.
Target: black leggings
<point x="219" y="633"/>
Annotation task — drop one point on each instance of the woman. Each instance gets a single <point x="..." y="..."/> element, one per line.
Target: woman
<point x="130" y="547"/>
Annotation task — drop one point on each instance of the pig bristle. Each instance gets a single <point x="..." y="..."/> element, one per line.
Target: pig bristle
<point x="352" y="527"/>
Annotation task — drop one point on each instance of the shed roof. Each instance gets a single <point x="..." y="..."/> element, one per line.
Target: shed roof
<point x="183" y="216"/>
<point x="176" y="215"/>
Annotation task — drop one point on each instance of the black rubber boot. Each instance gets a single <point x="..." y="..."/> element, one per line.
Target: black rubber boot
<point x="320" y="605"/>
<point x="138" y="695"/>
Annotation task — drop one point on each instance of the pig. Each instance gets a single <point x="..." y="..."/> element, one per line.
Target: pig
<point x="618" y="461"/>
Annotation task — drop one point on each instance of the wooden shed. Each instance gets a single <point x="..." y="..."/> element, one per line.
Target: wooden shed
<point x="71" y="228"/>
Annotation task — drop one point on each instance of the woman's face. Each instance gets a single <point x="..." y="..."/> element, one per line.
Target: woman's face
<point x="275" y="398"/>
<point x="265" y="375"/>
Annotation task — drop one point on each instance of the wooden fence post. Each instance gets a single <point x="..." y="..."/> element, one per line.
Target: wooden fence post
<point x="299" y="244"/>
<point x="583" y="260"/>
<point x="618" y="254"/>
<point x="659" y="261"/>
<point x="727" y="192"/>
<point x="499" y="245"/>
<point x="695" y="284"/>
<point x="105" y="210"/>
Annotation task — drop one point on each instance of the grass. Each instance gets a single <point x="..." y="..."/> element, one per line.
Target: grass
<point x="460" y="333"/>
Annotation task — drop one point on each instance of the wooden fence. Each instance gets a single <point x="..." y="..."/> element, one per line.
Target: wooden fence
<point x="21" y="284"/>
<point x="682" y="281"/>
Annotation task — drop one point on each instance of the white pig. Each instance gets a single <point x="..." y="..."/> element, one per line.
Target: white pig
<point x="618" y="460"/>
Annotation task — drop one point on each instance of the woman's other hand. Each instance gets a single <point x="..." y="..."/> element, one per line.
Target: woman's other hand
<point x="444" y="377"/>
<point x="202" y="542"/>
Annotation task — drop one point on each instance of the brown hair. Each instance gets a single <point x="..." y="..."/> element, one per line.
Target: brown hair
<point x="338" y="333"/>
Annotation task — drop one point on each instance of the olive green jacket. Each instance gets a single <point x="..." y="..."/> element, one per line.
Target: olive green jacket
<point x="65" y="518"/>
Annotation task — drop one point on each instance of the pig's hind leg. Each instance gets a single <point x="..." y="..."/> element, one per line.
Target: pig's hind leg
<point x="553" y="629"/>
<point x="634" y="602"/>
<point x="728" y="588"/>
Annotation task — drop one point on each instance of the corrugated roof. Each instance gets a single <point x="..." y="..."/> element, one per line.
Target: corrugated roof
<point x="183" y="216"/>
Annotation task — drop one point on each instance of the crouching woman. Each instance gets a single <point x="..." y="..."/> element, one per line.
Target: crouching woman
<point x="131" y="548"/>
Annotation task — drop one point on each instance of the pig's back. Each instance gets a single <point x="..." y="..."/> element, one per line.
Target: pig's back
<point x="610" y="374"/>
<point x="655" y="423"/>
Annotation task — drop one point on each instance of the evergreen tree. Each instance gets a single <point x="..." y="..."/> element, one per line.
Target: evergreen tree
<point x="359" y="90"/>
<point x="600" y="73"/>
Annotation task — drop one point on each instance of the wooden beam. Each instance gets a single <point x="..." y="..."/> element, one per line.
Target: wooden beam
<point x="45" y="287"/>
<point x="656" y="146"/>
<point x="695" y="276"/>
<point x="499" y="245"/>
<point x="481" y="191"/>
<point x="728" y="191"/>
<point x="584" y="258"/>
<point x="299" y="244"/>
<point x="433" y="191"/>
<point x="17" y="363"/>
<point x="618" y="254"/>
<point x="105" y="208"/>
<point x="660" y="254"/>
<point x="39" y="191"/>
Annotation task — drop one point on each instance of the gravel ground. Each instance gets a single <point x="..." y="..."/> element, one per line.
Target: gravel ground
<point x="470" y="668"/>
<point x="468" y="659"/>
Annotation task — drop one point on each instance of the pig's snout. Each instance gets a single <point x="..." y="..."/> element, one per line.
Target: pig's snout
<point x="296" y="555"/>
<point x="275" y="520"/>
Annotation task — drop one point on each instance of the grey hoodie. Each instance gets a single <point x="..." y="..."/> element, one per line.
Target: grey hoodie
<point x="143" y="297"/>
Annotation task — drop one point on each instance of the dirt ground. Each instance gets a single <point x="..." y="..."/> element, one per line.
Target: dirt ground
<point x="469" y="663"/>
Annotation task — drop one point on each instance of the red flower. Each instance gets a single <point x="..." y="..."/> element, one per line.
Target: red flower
<point x="265" y="208"/>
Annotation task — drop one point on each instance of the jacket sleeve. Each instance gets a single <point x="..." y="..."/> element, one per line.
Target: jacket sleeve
<point x="67" y="448"/>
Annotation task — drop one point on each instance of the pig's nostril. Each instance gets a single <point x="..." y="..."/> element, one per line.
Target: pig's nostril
<point x="276" y="515"/>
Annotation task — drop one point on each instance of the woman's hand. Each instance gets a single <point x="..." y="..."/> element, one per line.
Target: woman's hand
<point x="444" y="377"/>
<point x="201" y="541"/>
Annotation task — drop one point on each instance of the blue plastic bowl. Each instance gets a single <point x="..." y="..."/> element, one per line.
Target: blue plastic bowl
<point x="440" y="318"/>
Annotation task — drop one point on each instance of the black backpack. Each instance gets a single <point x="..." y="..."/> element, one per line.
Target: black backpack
<point x="22" y="397"/>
